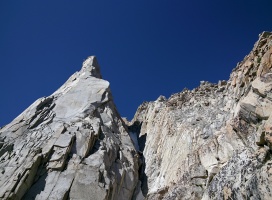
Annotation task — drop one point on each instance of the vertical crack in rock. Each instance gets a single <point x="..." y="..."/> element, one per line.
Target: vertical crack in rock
<point x="139" y="143"/>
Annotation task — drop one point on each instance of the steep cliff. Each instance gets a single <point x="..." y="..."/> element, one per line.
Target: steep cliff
<point x="212" y="142"/>
<point x="215" y="141"/>
<point x="70" y="145"/>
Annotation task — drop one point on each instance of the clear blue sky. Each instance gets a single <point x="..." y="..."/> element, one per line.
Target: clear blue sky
<point x="146" y="48"/>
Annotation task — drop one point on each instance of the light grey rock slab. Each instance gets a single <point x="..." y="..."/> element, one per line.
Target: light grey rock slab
<point x="64" y="140"/>
<point x="50" y="182"/>
<point x="86" y="184"/>
<point x="63" y="185"/>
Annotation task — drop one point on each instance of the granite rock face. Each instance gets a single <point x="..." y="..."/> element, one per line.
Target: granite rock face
<point x="70" y="145"/>
<point x="213" y="142"/>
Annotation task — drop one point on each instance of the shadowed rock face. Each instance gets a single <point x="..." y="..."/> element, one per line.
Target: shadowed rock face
<point x="70" y="145"/>
<point x="213" y="142"/>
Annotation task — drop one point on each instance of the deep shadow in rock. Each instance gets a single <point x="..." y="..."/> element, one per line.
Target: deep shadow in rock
<point x="141" y="142"/>
<point x="142" y="175"/>
<point x="136" y="128"/>
<point x="36" y="188"/>
<point x="97" y="144"/>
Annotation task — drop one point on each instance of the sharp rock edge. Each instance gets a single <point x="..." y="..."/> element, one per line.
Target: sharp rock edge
<point x="213" y="142"/>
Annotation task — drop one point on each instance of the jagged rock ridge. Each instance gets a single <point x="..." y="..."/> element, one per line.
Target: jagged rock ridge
<point x="213" y="142"/>
<point x="70" y="145"/>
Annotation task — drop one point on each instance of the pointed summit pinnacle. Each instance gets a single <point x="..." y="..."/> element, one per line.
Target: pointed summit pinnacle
<point x="91" y="66"/>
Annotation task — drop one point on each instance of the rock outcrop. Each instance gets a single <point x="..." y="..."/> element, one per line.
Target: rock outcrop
<point x="215" y="141"/>
<point x="212" y="142"/>
<point x="70" y="145"/>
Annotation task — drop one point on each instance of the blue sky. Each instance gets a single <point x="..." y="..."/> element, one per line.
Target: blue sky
<point x="145" y="48"/>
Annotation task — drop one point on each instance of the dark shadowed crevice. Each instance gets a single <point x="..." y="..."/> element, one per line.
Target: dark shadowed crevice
<point x="135" y="128"/>
<point x="142" y="175"/>
<point x="36" y="188"/>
